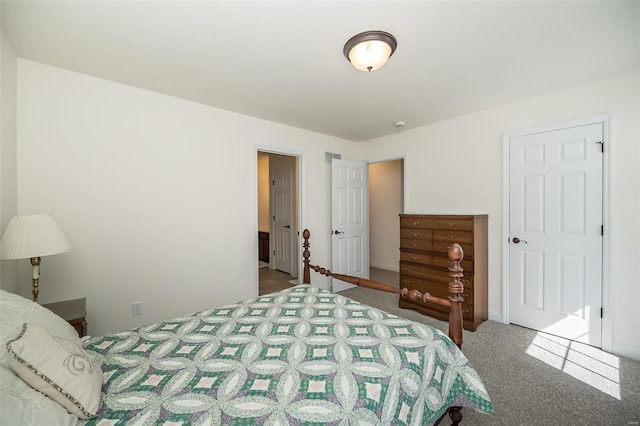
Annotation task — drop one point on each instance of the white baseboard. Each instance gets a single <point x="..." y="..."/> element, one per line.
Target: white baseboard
<point x="494" y="316"/>
<point x="626" y="351"/>
<point x="386" y="267"/>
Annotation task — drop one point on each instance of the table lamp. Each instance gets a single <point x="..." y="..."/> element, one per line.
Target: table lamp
<point x="33" y="236"/>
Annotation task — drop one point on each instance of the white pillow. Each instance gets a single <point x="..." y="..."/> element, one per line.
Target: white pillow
<point x="22" y="405"/>
<point x="15" y="310"/>
<point x="57" y="367"/>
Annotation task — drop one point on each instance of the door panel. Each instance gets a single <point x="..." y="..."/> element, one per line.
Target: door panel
<point x="555" y="215"/>
<point x="282" y="181"/>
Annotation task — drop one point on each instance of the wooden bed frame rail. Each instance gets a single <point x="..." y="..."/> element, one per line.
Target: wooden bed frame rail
<point x="456" y="288"/>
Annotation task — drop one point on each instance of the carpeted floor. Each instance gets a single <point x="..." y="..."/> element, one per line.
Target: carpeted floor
<point x="534" y="378"/>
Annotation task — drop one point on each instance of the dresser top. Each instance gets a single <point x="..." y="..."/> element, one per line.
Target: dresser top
<point x="68" y="309"/>
<point x="444" y="215"/>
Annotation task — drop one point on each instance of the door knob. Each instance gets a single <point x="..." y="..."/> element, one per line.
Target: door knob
<point x="338" y="232"/>
<point x="287" y="226"/>
<point x="517" y="240"/>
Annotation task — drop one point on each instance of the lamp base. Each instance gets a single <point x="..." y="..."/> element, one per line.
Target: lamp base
<point x="35" y="262"/>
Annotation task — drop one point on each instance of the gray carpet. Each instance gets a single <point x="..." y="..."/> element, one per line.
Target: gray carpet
<point x="534" y="378"/>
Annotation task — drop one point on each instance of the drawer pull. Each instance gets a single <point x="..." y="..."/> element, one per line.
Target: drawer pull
<point x="466" y="311"/>
<point x="417" y="222"/>
<point x="451" y="236"/>
<point x="416" y="234"/>
<point x="406" y="269"/>
<point x="416" y="244"/>
<point x="405" y="281"/>
<point x="451" y="225"/>
<point x="415" y="257"/>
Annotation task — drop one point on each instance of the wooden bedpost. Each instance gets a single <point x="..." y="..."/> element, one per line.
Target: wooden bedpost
<point x="306" y="277"/>
<point x="456" y="289"/>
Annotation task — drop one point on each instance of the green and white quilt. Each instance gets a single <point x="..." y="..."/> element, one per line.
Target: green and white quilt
<point x="303" y="356"/>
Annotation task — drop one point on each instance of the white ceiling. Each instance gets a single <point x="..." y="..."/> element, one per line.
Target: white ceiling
<point x="283" y="61"/>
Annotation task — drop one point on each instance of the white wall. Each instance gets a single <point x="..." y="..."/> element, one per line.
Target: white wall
<point x="156" y="194"/>
<point x="385" y="205"/>
<point x="456" y="166"/>
<point x="8" y="156"/>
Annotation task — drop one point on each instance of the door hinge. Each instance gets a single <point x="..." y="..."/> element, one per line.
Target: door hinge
<point x="273" y="183"/>
<point x="274" y="252"/>
<point x="601" y="146"/>
<point x="601" y="312"/>
<point x="601" y="229"/>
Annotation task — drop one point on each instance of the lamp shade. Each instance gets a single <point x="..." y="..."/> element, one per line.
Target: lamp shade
<point x="32" y="236"/>
<point x="370" y="50"/>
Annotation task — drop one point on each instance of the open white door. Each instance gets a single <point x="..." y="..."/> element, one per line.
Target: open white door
<point x="555" y="252"/>
<point x="349" y="221"/>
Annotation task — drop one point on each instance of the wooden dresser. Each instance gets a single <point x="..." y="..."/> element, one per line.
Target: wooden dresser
<point x="424" y="242"/>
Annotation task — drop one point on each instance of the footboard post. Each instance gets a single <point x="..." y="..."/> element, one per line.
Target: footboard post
<point x="456" y="289"/>
<point x="306" y="277"/>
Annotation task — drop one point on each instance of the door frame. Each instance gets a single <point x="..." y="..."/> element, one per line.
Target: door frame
<point x="300" y="208"/>
<point x="604" y="119"/>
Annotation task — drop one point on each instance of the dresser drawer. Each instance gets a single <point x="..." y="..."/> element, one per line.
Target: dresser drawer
<point x="416" y="233"/>
<point x="453" y="224"/>
<point x="434" y="288"/>
<point x="444" y="262"/>
<point x="453" y="236"/>
<point x="434" y="260"/>
<point x="416" y="244"/>
<point x="429" y="274"/>
<point x="422" y="258"/>
<point x="443" y="247"/>
<point x="467" y="309"/>
<point x="412" y="222"/>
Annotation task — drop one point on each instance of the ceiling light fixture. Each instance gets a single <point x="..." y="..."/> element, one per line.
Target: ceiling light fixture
<point x="370" y="50"/>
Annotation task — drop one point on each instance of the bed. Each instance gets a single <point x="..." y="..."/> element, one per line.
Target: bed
<point x="302" y="356"/>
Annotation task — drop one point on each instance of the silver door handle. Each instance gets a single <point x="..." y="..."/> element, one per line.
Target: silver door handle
<point x="517" y="240"/>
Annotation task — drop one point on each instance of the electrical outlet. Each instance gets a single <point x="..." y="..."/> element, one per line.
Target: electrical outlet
<point x="136" y="308"/>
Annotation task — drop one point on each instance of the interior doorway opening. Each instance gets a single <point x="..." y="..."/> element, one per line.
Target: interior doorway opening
<point x="382" y="200"/>
<point x="386" y="202"/>
<point x="278" y="221"/>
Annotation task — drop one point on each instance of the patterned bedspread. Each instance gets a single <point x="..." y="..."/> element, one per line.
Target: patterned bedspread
<point x="300" y="356"/>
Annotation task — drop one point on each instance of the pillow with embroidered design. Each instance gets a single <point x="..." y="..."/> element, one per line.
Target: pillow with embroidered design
<point x="57" y="367"/>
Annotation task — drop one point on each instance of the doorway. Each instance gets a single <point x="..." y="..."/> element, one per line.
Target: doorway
<point x="555" y="226"/>
<point x="278" y="217"/>
<point x="384" y="201"/>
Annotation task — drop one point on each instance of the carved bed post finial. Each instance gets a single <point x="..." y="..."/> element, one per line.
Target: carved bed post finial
<point x="306" y="278"/>
<point x="456" y="289"/>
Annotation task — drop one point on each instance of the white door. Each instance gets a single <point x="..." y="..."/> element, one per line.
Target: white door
<point x="281" y="219"/>
<point x="555" y="218"/>
<point x="349" y="221"/>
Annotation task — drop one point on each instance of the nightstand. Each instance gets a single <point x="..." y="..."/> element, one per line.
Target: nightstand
<point x="73" y="311"/>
